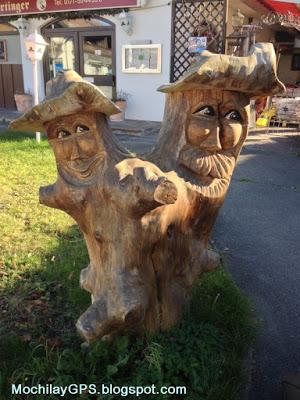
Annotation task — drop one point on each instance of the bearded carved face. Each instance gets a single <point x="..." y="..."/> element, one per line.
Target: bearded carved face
<point x="77" y="146"/>
<point x="215" y="131"/>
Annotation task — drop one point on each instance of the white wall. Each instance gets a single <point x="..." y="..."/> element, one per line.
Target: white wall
<point x="152" y="22"/>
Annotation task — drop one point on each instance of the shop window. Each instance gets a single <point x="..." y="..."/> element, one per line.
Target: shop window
<point x="79" y="23"/>
<point x="61" y="54"/>
<point x="295" y="62"/>
<point x="97" y="55"/>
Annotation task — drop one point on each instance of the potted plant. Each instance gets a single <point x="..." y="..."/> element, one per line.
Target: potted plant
<point x="24" y="101"/>
<point x="121" y="102"/>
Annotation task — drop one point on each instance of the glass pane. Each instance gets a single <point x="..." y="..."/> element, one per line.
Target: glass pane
<point x="61" y="55"/>
<point x="7" y="28"/>
<point x="80" y="23"/>
<point x="107" y="90"/>
<point x="97" y="55"/>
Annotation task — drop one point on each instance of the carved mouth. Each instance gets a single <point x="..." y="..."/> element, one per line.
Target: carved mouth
<point x="82" y="169"/>
<point x="84" y="166"/>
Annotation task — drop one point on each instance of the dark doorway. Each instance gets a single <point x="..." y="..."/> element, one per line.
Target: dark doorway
<point x="11" y="72"/>
<point x="84" y="45"/>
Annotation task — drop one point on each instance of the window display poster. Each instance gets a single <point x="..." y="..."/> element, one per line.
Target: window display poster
<point x="141" y="58"/>
<point x="197" y="44"/>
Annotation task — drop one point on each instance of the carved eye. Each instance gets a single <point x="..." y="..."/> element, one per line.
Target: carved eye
<point x="234" y="115"/>
<point x="62" y="134"/>
<point x="81" y="128"/>
<point x="207" y="111"/>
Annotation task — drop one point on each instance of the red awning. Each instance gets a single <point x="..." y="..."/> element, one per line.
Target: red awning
<point x="281" y="7"/>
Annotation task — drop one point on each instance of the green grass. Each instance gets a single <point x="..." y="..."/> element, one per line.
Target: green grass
<point x="41" y="255"/>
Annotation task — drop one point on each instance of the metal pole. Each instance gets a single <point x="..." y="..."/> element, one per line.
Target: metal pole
<point x="36" y="92"/>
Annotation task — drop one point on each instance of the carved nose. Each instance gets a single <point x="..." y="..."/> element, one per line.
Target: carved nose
<point x="212" y="142"/>
<point x="75" y="152"/>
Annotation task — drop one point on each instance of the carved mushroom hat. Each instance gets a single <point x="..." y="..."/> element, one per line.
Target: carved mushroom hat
<point x="67" y="94"/>
<point x="254" y="74"/>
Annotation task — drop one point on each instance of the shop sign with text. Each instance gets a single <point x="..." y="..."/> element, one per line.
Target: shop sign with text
<point x="14" y="7"/>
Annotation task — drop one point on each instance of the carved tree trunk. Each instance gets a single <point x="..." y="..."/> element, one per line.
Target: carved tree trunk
<point x="137" y="224"/>
<point x="147" y="223"/>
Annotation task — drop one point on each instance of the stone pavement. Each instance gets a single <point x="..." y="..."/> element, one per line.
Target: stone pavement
<point x="258" y="231"/>
<point x="8" y="115"/>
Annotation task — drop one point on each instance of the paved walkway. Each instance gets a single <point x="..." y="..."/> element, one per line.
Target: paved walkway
<point x="259" y="231"/>
<point x="8" y="115"/>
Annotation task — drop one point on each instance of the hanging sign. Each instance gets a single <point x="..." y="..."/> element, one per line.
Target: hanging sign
<point x="18" y="7"/>
<point x="197" y="44"/>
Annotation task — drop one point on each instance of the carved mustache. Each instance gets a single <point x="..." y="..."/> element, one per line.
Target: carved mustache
<point x="204" y="163"/>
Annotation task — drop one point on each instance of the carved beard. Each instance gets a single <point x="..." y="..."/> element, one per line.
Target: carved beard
<point x="213" y="170"/>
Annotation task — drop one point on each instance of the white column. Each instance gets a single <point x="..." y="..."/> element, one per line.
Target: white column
<point x="26" y="27"/>
<point x="36" y="91"/>
<point x="23" y="27"/>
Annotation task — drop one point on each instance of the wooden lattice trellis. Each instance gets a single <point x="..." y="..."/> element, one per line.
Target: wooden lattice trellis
<point x="187" y="16"/>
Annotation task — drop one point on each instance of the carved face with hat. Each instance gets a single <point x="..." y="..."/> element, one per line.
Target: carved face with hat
<point x="68" y="116"/>
<point x="209" y="108"/>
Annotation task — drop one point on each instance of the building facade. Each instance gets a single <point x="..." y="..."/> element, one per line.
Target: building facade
<point x="130" y="54"/>
<point x="94" y="48"/>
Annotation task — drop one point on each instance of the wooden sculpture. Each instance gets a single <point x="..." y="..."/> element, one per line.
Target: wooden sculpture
<point x="146" y="222"/>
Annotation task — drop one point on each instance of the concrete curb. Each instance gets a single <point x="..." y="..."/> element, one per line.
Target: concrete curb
<point x="5" y="120"/>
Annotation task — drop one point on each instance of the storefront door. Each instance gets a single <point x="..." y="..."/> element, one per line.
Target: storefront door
<point x="96" y="59"/>
<point x="11" y="71"/>
<point x="90" y="52"/>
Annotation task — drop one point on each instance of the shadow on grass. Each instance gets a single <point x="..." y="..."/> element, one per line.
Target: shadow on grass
<point x="39" y="343"/>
